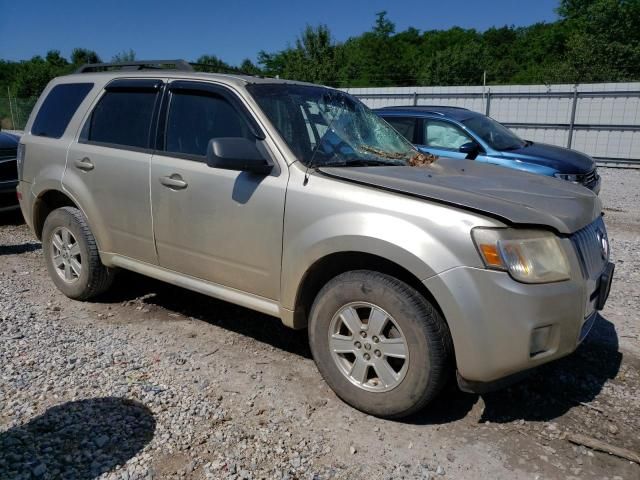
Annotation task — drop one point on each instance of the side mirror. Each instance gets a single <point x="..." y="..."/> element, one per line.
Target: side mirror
<point x="470" y="148"/>
<point x="237" y="154"/>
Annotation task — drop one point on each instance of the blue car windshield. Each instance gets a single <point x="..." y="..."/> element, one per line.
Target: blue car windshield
<point x="326" y="127"/>
<point x="497" y="136"/>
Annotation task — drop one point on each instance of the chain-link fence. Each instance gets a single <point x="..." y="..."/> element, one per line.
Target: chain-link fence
<point x="14" y="112"/>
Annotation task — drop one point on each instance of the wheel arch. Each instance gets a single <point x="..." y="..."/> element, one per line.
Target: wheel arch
<point x="45" y="203"/>
<point x="334" y="264"/>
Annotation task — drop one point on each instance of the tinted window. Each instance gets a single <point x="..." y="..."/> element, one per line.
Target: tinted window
<point x="405" y="126"/>
<point x="122" y="118"/>
<point x="195" y="119"/>
<point x="443" y="135"/>
<point x="58" y="108"/>
<point x="495" y="134"/>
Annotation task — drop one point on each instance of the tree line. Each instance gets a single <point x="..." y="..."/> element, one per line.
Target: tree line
<point x="592" y="41"/>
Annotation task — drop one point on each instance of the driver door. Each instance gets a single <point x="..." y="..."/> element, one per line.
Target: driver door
<point x="444" y="138"/>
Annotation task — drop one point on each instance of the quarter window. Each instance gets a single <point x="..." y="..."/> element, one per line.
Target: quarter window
<point x="194" y="119"/>
<point x="58" y="108"/>
<point x="405" y="126"/>
<point x="122" y="118"/>
<point x="439" y="134"/>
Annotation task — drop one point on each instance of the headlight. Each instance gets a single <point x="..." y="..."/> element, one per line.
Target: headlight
<point x="570" y="177"/>
<point x="530" y="256"/>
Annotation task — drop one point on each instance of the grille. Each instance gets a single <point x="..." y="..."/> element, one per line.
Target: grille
<point x="590" y="178"/>
<point x="8" y="153"/>
<point x="592" y="244"/>
<point x="8" y="170"/>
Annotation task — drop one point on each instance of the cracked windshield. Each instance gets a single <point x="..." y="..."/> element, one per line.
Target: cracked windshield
<point x="325" y="127"/>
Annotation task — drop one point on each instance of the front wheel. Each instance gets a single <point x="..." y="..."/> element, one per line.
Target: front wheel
<point x="379" y="344"/>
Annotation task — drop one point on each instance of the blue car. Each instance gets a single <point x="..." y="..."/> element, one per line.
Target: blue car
<point x="460" y="133"/>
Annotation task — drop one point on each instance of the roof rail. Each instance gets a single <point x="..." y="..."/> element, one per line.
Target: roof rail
<point x="137" y="65"/>
<point x="419" y="107"/>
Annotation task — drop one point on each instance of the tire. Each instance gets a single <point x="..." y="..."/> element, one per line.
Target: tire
<point x="412" y="324"/>
<point x="93" y="278"/>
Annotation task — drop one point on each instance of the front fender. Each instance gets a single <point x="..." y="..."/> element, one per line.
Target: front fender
<point x="380" y="234"/>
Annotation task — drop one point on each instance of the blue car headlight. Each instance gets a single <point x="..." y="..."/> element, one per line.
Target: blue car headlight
<point x="570" y="177"/>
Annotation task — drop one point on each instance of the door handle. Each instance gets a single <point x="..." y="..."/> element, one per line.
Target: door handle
<point x="174" y="181"/>
<point x="84" y="164"/>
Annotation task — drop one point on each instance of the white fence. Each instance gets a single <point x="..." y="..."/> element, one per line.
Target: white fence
<point x="602" y="120"/>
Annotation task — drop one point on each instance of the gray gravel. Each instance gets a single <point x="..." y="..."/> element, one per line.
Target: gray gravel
<point x="153" y="381"/>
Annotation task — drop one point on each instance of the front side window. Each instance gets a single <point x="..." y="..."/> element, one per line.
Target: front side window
<point x="122" y="117"/>
<point x="405" y="126"/>
<point x="194" y="119"/>
<point x="495" y="134"/>
<point x="325" y="127"/>
<point x="439" y="134"/>
<point x="58" y="108"/>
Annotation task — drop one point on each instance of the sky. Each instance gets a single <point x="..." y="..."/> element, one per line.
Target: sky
<point x="232" y="30"/>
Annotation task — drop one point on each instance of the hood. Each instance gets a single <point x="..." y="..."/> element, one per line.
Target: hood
<point x="561" y="159"/>
<point x="514" y="197"/>
<point x="8" y="140"/>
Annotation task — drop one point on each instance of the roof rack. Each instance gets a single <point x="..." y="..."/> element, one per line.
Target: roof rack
<point x="138" y="65"/>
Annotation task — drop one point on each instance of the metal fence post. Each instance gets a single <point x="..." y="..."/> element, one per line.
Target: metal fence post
<point x="573" y="116"/>
<point x="415" y="98"/>
<point x="488" y="105"/>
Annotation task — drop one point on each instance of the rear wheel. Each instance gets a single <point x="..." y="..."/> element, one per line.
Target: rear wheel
<point x="379" y="344"/>
<point x="72" y="257"/>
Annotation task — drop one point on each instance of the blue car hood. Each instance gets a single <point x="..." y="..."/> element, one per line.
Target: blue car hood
<point x="561" y="159"/>
<point x="8" y="140"/>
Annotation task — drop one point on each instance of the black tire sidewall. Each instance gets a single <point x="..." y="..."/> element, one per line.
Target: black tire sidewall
<point x="62" y="217"/>
<point x="409" y="309"/>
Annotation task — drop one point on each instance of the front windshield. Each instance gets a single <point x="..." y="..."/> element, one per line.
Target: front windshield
<point x="325" y="127"/>
<point x="496" y="135"/>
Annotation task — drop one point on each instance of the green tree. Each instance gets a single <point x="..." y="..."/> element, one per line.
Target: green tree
<point x="81" y="56"/>
<point x="124" y="56"/>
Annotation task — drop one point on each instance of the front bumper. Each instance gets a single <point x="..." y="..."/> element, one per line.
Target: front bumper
<point x="493" y="322"/>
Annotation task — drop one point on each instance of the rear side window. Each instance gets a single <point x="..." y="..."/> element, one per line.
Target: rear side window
<point x="58" y="108"/>
<point x="194" y="119"/>
<point x="404" y="125"/>
<point x="123" y="118"/>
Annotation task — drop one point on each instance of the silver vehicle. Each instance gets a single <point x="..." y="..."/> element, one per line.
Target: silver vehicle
<point x="295" y="200"/>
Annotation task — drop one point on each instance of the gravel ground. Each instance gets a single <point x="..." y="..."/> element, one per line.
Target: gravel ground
<point x="153" y="381"/>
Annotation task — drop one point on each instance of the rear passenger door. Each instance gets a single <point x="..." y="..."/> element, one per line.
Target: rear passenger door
<point x="223" y="226"/>
<point x="108" y="168"/>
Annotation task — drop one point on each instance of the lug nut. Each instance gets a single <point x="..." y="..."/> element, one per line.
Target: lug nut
<point x="376" y="339"/>
<point x="358" y="345"/>
<point x="378" y="353"/>
<point x="363" y="334"/>
<point x="367" y="356"/>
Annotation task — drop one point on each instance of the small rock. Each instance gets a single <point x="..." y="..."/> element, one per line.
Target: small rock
<point x="352" y="450"/>
<point x="101" y="441"/>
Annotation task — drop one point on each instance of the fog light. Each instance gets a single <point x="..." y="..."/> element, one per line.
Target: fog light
<point x="539" y="341"/>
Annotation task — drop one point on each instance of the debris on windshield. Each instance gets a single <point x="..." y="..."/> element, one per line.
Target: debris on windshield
<point x="422" y="159"/>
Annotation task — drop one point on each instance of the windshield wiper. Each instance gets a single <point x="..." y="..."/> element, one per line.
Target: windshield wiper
<point x="361" y="163"/>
